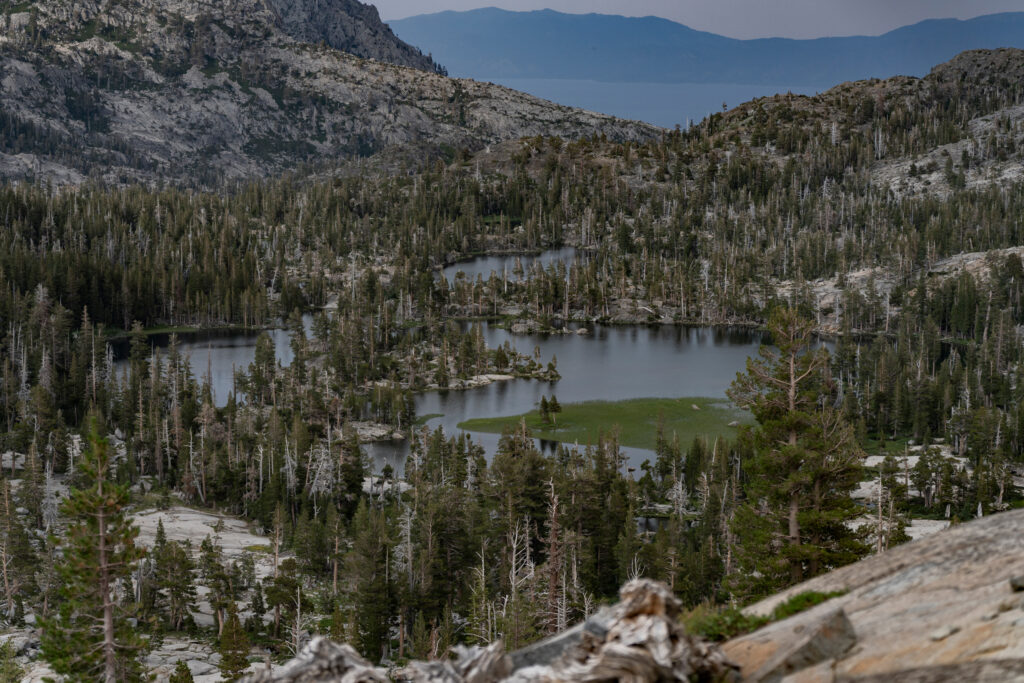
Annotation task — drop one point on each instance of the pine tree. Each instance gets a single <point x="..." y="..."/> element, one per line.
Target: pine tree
<point x="10" y="670"/>
<point x="336" y="630"/>
<point x="806" y="462"/>
<point x="280" y="592"/>
<point x="175" y="582"/>
<point x="181" y="673"/>
<point x="31" y="492"/>
<point x="554" y="407"/>
<point x="89" y="637"/>
<point x="17" y="557"/>
<point x="367" y="565"/>
<point x="233" y="647"/>
<point x="254" y="624"/>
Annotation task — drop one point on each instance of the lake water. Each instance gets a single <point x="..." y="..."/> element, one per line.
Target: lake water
<point x="614" y="363"/>
<point x="219" y="352"/>
<point x="663" y="104"/>
<point x="485" y="265"/>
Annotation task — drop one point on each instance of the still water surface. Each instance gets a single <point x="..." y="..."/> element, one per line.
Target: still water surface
<point x="505" y="265"/>
<point x="216" y="352"/>
<point x="663" y="104"/>
<point x="613" y="363"/>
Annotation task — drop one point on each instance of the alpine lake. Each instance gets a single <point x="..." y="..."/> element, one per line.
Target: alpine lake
<point x="626" y="378"/>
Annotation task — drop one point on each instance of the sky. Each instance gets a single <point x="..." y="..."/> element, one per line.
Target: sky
<point x="742" y="18"/>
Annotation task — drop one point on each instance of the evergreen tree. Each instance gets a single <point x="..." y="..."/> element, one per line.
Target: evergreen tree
<point x="554" y="407"/>
<point x="367" y="567"/>
<point x="233" y="646"/>
<point x="806" y="462"/>
<point x="89" y="637"/>
<point x="10" y="670"/>
<point x="17" y="557"/>
<point x="280" y="592"/>
<point x="175" y="582"/>
<point x="181" y="673"/>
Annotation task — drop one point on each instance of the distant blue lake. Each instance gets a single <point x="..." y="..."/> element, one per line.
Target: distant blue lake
<point x="663" y="104"/>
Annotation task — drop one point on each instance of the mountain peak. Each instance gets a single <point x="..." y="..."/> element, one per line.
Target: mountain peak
<point x="349" y="26"/>
<point x="201" y="92"/>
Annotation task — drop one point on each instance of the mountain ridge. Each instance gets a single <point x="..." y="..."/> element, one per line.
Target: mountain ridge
<point x="549" y="44"/>
<point x="201" y="93"/>
<point x="349" y="26"/>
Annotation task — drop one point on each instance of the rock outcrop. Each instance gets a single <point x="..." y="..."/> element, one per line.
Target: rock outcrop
<point x="200" y="93"/>
<point x="638" y="639"/>
<point x="944" y="609"/>
<point x="349" y="26"/>
<point x="940" y="609"/>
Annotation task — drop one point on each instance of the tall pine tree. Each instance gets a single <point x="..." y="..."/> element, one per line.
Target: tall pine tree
<point x="794" y="522"/>
<point x="89" y="637"/>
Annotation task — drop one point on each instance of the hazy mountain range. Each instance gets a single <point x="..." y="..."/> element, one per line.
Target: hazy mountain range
<point x="495" y="44"/>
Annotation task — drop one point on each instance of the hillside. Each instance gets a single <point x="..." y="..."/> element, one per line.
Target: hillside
<point x="947" y="608"/>
<point x="881" y="215"/>
<point x="197" y="93"/>
<point x="497" y="44"/>
<point x="349" y="26"/>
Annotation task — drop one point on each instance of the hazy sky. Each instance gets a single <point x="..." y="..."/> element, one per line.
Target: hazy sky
<point x="743" y="18"/>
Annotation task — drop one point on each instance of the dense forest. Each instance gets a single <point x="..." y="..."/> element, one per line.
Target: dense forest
<point x="782" y="214"/>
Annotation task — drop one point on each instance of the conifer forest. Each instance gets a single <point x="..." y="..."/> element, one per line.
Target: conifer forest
<point x="872" y="234"/>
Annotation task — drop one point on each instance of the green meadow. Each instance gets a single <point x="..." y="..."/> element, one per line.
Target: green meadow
<point x="635" y="419"/>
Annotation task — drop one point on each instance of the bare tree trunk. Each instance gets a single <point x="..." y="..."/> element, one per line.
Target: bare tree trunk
<point x="795" y="570"/>
<point x="334" y="586"/>
<point x="5" y="558"/>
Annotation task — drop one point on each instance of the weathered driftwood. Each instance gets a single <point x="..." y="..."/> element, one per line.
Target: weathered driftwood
<point x="321" y="661"/>
<point x="637" y="640"/>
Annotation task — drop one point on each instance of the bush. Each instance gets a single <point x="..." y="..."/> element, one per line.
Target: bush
<point x="722" y="623"/>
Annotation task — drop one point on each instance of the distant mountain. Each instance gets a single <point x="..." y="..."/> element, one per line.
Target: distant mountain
<point x="194" y="92"/>
<point x="497" y="44"/>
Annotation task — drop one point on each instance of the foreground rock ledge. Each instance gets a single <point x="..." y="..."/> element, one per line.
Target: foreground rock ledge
<point x="945" y="609"/>
<point x="939" y="609"/>
<point x="638" y="639"/>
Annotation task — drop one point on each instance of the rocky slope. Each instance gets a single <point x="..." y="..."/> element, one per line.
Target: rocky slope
<point x="198" y="92"/>
<point x="943" y="609"/>
<point x="959" y="126"/>
<point x="638" y="639"/>
<point x="349" y="26"/>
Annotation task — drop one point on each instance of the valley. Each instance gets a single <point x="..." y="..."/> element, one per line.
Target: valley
<point x="301" y="338"/>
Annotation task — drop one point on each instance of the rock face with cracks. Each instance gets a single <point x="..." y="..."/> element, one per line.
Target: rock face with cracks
<point x="349" y="26"/>
<point x="943" y="608"/>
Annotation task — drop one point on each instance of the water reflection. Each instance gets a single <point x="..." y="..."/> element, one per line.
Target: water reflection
<point x="216" y="354"/>
<point x="613" y="363"/>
